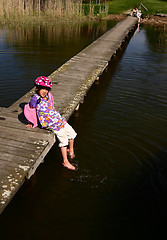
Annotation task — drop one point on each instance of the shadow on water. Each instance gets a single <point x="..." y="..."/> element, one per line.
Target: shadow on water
<point x="119" y="189"/>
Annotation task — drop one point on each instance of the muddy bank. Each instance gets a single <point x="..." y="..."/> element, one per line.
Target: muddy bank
<point x="149" y="19"/>
<point x="155" y="20"/>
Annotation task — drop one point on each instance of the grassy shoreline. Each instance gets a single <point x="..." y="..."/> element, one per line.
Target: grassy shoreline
<point x="14" y="11"/>
<point x="153" y="6"/>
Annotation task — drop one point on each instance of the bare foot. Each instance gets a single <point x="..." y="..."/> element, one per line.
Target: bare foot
<point x="69" y="166"/>
<point x="70" y="154"/>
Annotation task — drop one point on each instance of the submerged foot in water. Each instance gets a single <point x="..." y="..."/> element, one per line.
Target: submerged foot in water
<point x="69" y="166"/>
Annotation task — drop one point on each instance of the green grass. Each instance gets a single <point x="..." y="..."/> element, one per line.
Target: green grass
<point x="153" y="6"/>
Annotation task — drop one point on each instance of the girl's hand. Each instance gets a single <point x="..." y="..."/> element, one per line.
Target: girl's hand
<point x="29" y="125"/>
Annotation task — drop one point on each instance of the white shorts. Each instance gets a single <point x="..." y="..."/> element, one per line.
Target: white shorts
<point x="65" y="134"/>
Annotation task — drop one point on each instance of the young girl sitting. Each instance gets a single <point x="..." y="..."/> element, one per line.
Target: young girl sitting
<point x="41" y="109"/>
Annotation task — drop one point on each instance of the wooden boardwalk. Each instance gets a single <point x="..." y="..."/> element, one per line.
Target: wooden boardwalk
<point x="22" y="149"/>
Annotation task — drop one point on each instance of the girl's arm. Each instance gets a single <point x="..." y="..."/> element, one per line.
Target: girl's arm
<point x="30" y="125"/>
<point x="30" y="113"/>
<point x="51" y="98"/>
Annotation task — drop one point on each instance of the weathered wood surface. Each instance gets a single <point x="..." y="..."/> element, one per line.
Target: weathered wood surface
<point x="21" y="149"/>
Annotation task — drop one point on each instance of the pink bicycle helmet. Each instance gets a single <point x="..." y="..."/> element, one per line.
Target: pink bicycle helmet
<point x="43" y="81"/>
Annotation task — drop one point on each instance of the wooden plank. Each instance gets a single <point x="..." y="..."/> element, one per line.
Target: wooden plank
<point x="14" y="123"/>
<point x="19" y="160"/>
<point x="9" y="116"/>
<point x="24" y="145"/>
<point x="7" y="112"/>
<point x="4" y="165"/>
<point x="24" y="138"/>
<point x="19" y="151"/>
<point x="40" y="158"/>
<point x="22" y="133"/>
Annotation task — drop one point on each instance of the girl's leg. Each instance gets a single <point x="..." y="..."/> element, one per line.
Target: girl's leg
<point x="66" y="163"/>
<point x="71" y="148"/>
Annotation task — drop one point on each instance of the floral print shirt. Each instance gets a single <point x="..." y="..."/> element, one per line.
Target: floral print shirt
<point x="48" y="117"/>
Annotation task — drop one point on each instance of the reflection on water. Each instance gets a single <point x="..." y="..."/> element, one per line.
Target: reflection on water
<point x="119" y="189"/>
<point x="157" y="38"/>
<point x="28" y="52"/>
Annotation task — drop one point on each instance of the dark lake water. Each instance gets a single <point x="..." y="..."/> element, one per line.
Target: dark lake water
<point x="120" y="188"/>
<point x="26" y="52"/>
